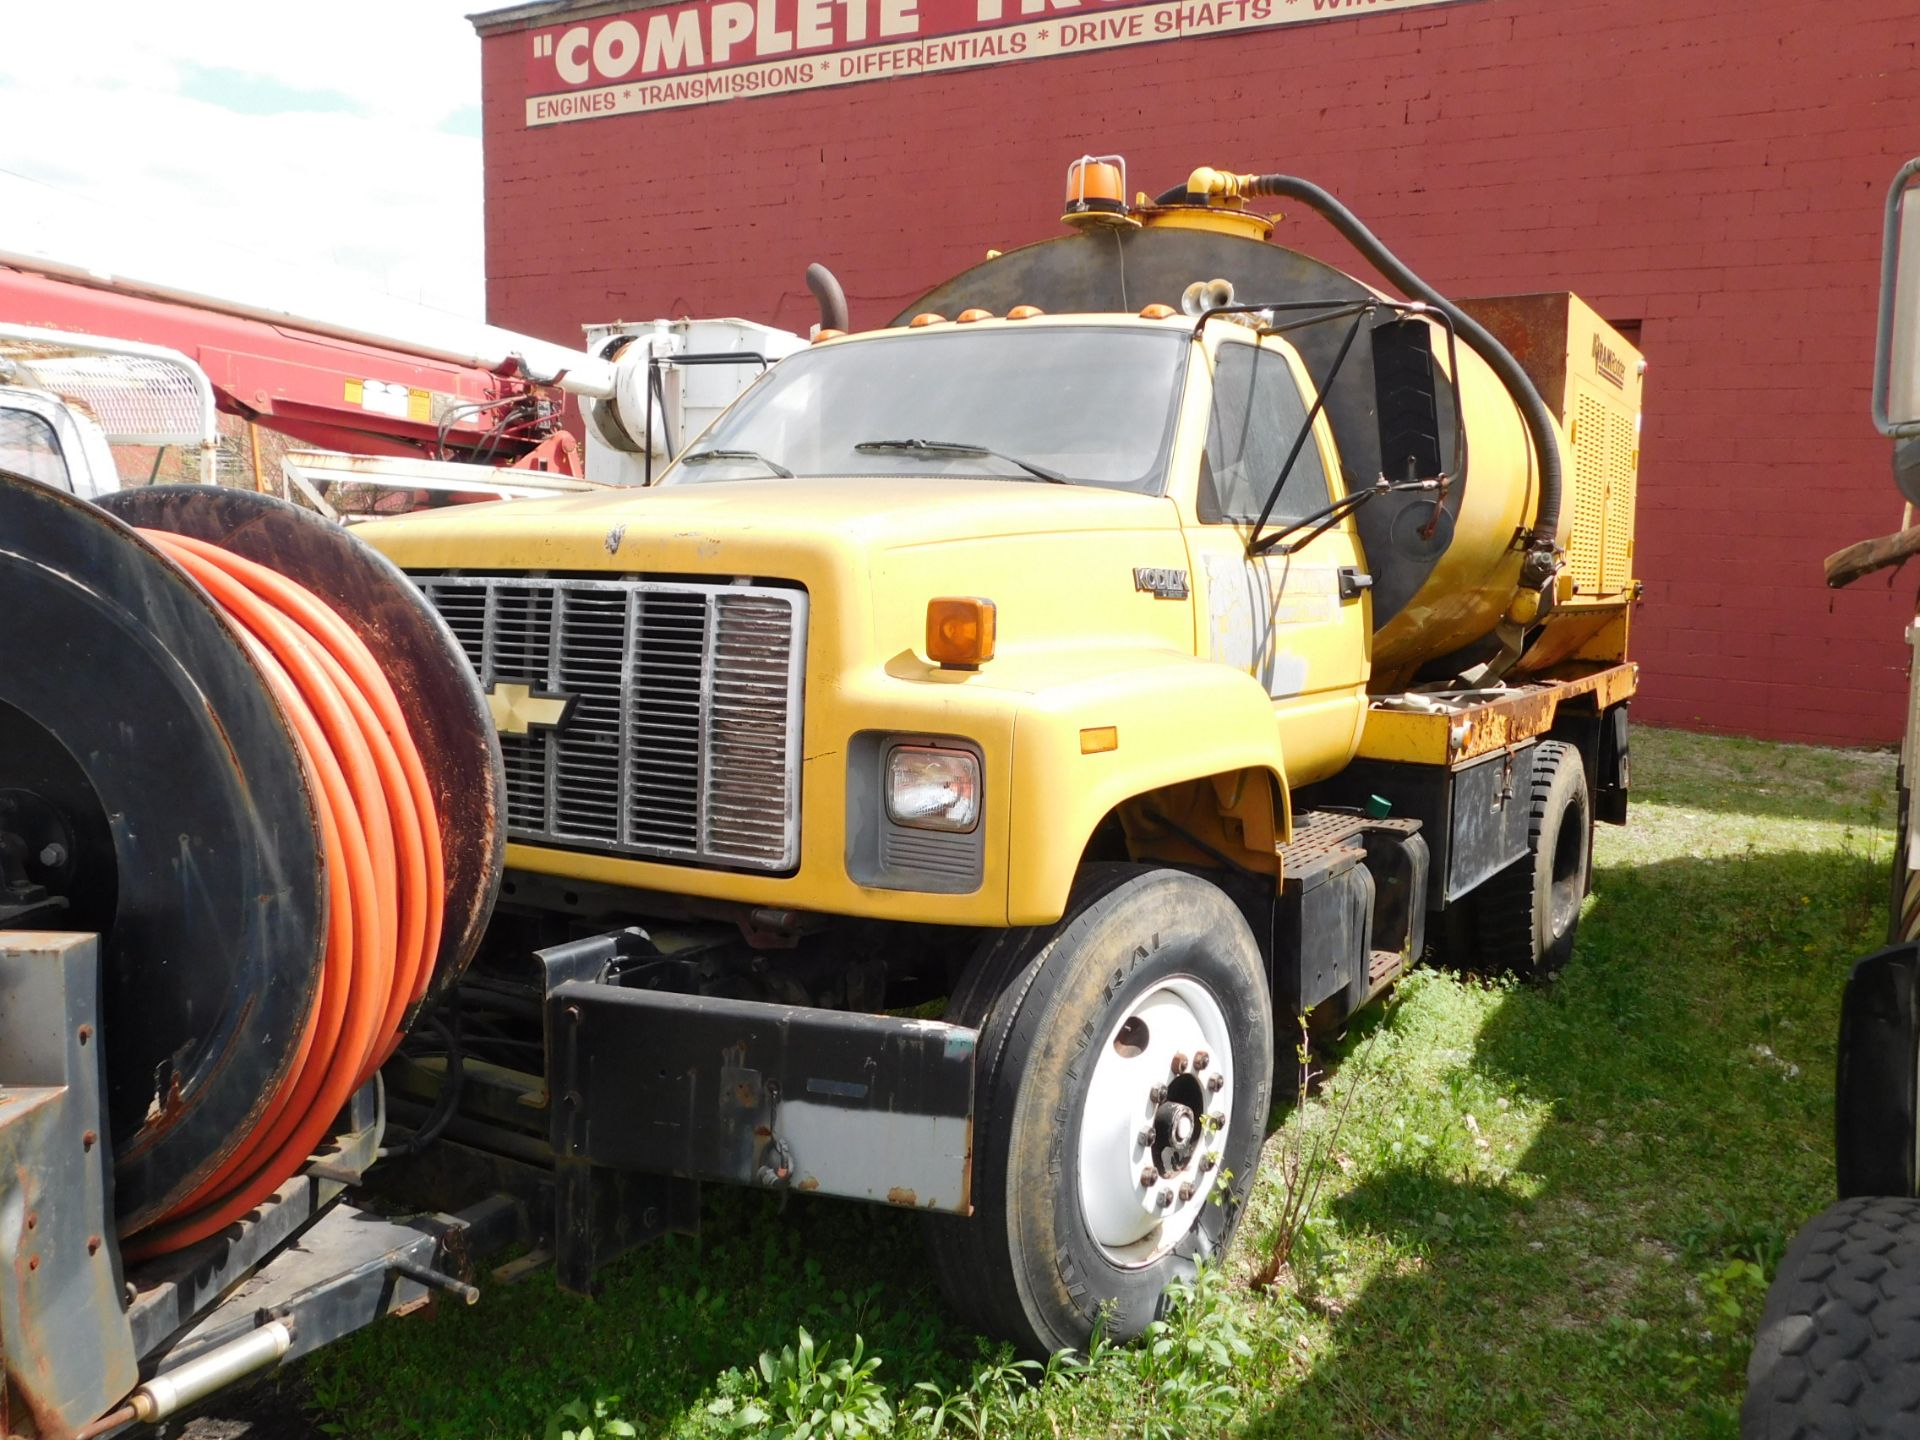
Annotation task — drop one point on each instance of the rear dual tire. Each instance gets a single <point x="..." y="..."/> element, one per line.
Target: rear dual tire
<point x="1523" y="921"/>
<point x="1098" y="1178"/>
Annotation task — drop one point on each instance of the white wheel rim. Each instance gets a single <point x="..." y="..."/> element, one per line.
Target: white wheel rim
<point x="1168" y="1058"/>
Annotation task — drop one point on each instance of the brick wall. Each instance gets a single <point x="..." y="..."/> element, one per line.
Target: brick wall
<point x="1711" y="169"/>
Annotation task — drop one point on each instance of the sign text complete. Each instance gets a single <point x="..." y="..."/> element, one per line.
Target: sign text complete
<point x="708" y="50"/>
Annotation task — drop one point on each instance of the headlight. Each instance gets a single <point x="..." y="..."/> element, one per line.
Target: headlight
<point x="932" y="789"/>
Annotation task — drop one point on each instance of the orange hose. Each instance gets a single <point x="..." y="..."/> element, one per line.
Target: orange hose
<point x="385" y="876"/>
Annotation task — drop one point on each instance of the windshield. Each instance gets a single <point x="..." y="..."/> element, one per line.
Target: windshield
<point x="1085" y="405"/>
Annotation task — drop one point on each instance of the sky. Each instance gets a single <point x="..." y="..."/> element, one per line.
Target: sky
<point x="271" y="149"/>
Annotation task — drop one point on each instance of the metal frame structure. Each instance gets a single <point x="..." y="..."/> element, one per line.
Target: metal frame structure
<point x="40" y="345"/>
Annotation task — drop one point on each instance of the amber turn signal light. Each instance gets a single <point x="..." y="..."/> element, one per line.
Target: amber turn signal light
<point x="960" y="631"/>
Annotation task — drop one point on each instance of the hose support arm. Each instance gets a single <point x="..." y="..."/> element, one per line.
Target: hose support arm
<point x="1542" y="548"/>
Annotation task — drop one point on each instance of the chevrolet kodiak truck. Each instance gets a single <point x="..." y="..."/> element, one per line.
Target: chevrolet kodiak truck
<point x="1151" y="638"/>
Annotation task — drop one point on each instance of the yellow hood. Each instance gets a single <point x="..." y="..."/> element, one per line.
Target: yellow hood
<point x="747" y="526"/>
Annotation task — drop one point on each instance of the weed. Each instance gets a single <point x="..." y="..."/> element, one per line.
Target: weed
<point x="1189" y="1358"/>
<point x="1301" y="1161"/>
<point x="589" y="1420"/>
<point x="1724" y="1233"/>
<point x="799" y="1394"/>
<point x="988" y="1403"/>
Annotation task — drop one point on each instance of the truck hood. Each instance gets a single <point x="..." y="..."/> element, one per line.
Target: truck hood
<point x="1061" y="562"/>
<point x="614" y="529"/>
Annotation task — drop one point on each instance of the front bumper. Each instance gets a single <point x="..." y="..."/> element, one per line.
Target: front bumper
<point x="869" y="1107"/>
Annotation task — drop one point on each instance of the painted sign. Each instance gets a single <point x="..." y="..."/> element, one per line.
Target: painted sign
<point x="696" y="53"/>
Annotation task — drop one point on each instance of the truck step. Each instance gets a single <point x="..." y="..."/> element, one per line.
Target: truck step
<point x="1327" y="842"/>
<point x="1383" y="968"/>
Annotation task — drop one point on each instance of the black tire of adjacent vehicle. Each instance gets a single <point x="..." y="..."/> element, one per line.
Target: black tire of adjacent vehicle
<point x="1023" y="1266"/>
<point x="1527" y="915"/>
<point x="1837" y="1354"/>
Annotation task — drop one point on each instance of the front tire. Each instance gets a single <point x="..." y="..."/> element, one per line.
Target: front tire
<point x="1837" y="1354"/>
<point x="1123" y="1082"/>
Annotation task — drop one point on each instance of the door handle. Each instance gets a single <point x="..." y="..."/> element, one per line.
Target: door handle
<point x="1353" y="580"/>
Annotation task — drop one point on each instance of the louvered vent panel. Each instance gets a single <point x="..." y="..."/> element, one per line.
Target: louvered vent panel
<point x="1586" y="547"/>
<point x="1623" y="483"/>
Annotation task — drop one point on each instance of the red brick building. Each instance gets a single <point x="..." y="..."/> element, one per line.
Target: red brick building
<point x="1708" y="172"/>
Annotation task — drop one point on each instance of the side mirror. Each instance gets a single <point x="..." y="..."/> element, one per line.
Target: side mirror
<point x="1406" y="386"/>
<point x="1896" y="389"/>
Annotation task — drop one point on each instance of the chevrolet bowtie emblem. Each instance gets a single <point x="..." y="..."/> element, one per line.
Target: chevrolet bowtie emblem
<point x="517" y="709"/>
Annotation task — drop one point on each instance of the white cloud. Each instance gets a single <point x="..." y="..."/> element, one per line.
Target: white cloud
<point x="224" y="146"/>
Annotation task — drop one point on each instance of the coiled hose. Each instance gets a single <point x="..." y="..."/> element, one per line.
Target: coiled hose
<point x="386" y="883"/>
<point x="1543" y="537"/>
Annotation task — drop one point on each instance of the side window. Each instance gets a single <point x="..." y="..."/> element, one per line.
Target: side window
<point x="28" y="447"/>
<point x="1257" y="413"/>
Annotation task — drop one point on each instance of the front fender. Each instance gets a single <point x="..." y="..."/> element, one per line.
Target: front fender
<point x="1176" y="718"/>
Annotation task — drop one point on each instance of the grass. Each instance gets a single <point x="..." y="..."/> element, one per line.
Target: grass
<point x="1549" y="1213"/>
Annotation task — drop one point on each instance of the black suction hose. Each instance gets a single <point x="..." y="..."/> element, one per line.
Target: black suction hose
<point x="1541" y="559"/>
<point x="833" y="300"/>
<point x="446" y="1104"/>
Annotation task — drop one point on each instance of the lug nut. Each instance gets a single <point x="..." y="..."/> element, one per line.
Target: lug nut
<point x="1201" y="1060"/>
<point x="1163" y="1199"/>
<point x="1186" y="1193"/>
<point x="1158" y="1095"/>
<point x="54" y="855"/>
<point x="1147" y="1177"/>
<point x="1144" y="1139"/>
<point x="1216" y="1082"/>
<point x="1179" y="1064"/>
<point x="1208" y="1161"/>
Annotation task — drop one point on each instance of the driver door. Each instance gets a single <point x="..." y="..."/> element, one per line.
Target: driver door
<point x="1297" y="617"/>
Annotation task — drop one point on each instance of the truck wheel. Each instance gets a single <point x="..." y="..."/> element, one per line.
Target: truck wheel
<point x="1528" y="913"/>
<point x="1123" y="1079"/>
<point x="1838" y="1349"/>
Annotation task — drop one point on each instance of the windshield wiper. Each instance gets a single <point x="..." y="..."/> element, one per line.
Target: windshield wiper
<point x="700" y="457"/>
<point x="956" y="447"/>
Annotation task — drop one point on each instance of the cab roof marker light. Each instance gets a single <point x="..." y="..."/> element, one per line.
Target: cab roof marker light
<point x="960" y="631"/>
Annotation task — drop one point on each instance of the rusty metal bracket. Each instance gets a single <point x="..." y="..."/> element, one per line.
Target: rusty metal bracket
<point x="67" y="1346"/>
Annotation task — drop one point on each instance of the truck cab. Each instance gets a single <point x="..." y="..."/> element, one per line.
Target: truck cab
<point x="46" y="439"/>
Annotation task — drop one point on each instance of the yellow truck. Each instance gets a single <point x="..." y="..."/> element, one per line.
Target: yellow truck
<point x="953" y="782"/>
<point x="1151" y="637"/>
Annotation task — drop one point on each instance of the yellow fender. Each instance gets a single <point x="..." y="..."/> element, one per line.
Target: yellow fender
<point x="1175" y="718"/>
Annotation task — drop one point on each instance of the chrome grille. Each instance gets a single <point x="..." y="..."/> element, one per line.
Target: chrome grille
<point x="682" y="740"/>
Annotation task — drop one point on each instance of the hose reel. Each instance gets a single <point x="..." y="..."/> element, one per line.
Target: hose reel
<point x="278" y="794"/>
